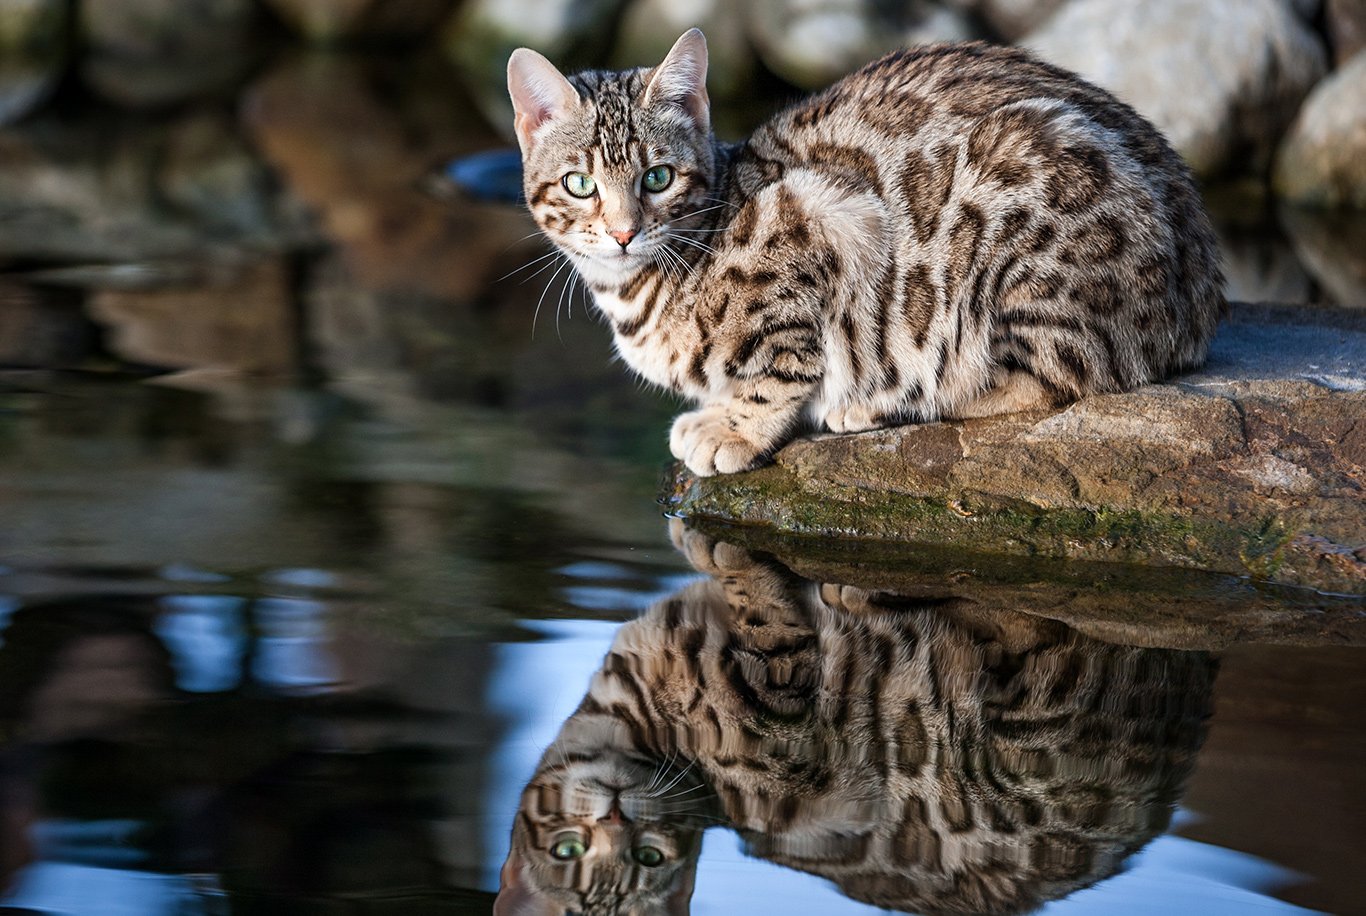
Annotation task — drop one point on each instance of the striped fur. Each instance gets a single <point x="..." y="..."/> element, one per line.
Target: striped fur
<point x="925" y="755"/>
<point x="952" y="231"/>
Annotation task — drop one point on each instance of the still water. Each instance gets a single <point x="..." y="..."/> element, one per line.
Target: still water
<point x="318" y="528"/>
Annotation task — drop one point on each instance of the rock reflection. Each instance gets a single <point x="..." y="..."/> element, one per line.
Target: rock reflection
<point x="923" y="753"/>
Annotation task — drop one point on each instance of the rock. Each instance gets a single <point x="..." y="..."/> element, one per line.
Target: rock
<point x="404" y="20"/>
<point x="25" y="83"/>
<point x="812" y="43"/>
<point x="1124" y="605"/>
<point x="127" y="189"/>
<point x="1322" y="162"/>
<point x="1011" y="20"/>
<point x="33" y="26"/>
<point x="33" y="53"/>
<point x="574" y="34"/>
<point x="209" y="173"/>
<point x="1252" y="466"/>
<point x="1345" y="22"/>
<point x="1222" y="103"/>
<point x="321" y="21"/>
<point x="1333" y="247"/>
<point x="650" y="27"/>
<point x="161" y="52"/>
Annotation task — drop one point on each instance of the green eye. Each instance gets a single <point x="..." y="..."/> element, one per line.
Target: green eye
<point x="568" y="848"/>
<point x="580" y="185"/>
<point x="658" y="178"/>
<point x="648" y="856"/>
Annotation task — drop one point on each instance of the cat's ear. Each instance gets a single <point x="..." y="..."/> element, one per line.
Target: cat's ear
<point x="681" y="80"/>
<point x="515" y="897"/>
<point x="679" y="901"/>
<point x="540" y="93"/>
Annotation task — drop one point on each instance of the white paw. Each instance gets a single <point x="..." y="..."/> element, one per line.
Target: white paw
<point x="704" y="441"/>
<point x="717" y="558"/>
<point x="852" y="418"/>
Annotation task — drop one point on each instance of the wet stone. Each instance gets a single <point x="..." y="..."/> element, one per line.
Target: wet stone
<point x="1251" y="466"/>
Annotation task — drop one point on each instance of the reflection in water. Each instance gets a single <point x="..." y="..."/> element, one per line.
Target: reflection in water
<point x="167" y="755"/>
<point x="924" y="755"/>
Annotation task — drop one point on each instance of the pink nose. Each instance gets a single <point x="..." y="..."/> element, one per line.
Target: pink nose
<point x="623" y="236"/>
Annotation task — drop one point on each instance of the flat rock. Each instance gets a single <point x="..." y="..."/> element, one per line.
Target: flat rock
<point x="1254" y="466"/>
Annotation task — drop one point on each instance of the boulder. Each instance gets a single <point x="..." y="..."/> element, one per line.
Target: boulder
<point x="1332" y="246"/>
<point x="1010" y="20"/>
<point x="1322" y="162"/>
<point x="26" y="80"/>
<point x="573" y="34"/>
<point x="364" y="22"/>
<point x="124" y="189"/>
<point x="152" y="53"/>
<point x="1252" y="466"/>
<point x="321" y="21"/>
<point x="32" y="25"/>
<point x="1221" y="79"/>
<point x="812" y="43"/>
<point x="33" y="54"/>
<point x="650" y="27"/>
<point x="1345" y="23"/>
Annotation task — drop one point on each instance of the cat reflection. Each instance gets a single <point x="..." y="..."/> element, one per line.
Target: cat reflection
<point x="923" y="754"/>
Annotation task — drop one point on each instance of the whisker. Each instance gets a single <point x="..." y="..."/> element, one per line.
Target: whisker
<point x="696" y="244"/>
<point x="537" y="312"/>
<point x="549" y="254"/>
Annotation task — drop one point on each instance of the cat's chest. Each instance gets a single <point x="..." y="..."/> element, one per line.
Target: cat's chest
<point x="648" y="341"/>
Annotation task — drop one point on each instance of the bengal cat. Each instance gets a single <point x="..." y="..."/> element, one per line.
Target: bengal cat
<point x="953" y="231"/>
<point x="924" y="754"/>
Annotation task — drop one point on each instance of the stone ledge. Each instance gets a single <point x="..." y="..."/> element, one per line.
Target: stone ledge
<point x="1255" y="465"/>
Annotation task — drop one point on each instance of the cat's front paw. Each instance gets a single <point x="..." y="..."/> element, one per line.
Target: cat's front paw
<point x="705" y="553"/>
<point x="852" y="418"/>
<point x="705" y="441"/>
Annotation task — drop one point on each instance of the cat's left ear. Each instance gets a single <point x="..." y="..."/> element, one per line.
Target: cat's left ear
<point x="515" y="895"/>
<point x="681" y="80"/>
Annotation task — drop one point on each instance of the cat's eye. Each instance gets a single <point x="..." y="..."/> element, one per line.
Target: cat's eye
<point x="580" y="184"/>
<point x="648" y="856"/>
<point x="658" y="178"/>
<point x="570" y="847"/>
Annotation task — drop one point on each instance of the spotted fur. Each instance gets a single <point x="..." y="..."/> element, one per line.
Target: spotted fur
<point x="952" y="231"/>
<point x="925" y="754"/>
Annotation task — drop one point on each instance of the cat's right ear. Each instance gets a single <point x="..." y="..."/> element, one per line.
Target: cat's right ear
<point x="540" y="94"/>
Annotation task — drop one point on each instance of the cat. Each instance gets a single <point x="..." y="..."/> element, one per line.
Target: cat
<point x="926" y="754"/>
<point x="953" y="231"/>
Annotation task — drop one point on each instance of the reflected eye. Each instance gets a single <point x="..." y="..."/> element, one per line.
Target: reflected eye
<point x="648" y="856"/>
<point x="569" y="848"/>
<point x="658" y="178"/>
<point x="580" y="184"/>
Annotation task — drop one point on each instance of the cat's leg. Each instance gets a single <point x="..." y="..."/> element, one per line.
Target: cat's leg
<point x="1013" y="392"/>
<point x="762" y="409"/>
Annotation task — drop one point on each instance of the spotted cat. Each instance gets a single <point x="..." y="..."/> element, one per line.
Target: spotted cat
<point x="953" y="231"/>
<point x="925" y="754"/>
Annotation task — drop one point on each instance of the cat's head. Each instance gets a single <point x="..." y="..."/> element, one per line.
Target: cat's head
<point x="613" y="163"/>
<point x="604" y="829"/>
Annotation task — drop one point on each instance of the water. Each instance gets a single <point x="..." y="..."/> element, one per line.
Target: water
<point x="315" y="531"/>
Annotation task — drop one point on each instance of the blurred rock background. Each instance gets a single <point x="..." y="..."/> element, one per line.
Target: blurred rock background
<point x="245" y="187"/>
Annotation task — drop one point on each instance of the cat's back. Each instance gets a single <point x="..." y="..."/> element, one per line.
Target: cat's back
<point x="932" y="94"/>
